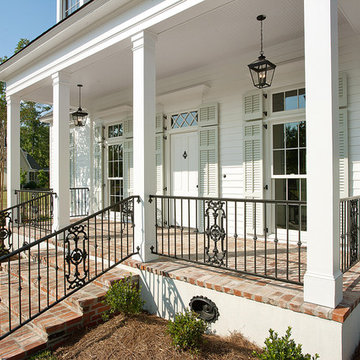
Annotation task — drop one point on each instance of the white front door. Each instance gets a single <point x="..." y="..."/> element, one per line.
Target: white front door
<point x="184" y="175"/>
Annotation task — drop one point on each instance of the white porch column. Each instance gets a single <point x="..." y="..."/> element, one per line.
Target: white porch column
<point x="323" y="279"/>
<point x="60" y="172"/>
<point x="13" y="148"/>
<point x="144" y="107"/>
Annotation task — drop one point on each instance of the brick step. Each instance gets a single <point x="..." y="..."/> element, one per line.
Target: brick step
<point x="84" y="308"/>
<point x="21" y="344"/>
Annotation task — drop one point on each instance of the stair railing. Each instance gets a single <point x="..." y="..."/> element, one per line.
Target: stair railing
<point x="41" y="274"/>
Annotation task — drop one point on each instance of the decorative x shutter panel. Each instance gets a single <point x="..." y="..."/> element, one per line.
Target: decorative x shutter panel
<point x="342" y="90"/>
<point x="343" y="154"/>
<point x="128" y="127"/>
<point x="253" y="176"/>
<point x="128" y="167"/>
<point x="208" y="115"/>
<point x="253" y="105"/>
<point x="98" y="166"/>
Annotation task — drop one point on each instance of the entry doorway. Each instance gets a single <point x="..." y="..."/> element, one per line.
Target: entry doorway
<point x="184" y="176"/>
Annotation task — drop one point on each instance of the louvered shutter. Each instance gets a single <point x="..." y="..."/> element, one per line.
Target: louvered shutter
<point x="128" y="127"/>
<point x="342" y="90"/>
<point x="208" y="114"/>
<point x="159" y="123"/>
<point x="253" y="105"/>
<point x="208" y="162"/>
<point x="98" y="166"/>
<point x="159" y="159"/>
<point x="253" y="176"/>
<point x="343" y="154"/>
<point x="128" y="167"/>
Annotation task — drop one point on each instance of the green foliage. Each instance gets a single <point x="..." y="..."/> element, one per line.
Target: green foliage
<point x="23" y="177"/>
<point x="283" y="348"/>
<point x="123" y="296"/>
<point x="21" y="44"/>
<point x="44" y="355"/>
<point x="43" y="179"/>
<point x="187" y="330"/>
<point x="31" y="185"/>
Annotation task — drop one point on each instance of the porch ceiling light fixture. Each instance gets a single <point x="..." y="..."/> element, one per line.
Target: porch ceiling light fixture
<point x="79" y="116"/>
<point x="262" y="70"/>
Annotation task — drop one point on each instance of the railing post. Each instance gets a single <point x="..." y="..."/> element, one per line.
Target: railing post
<point x="144" y="111"/>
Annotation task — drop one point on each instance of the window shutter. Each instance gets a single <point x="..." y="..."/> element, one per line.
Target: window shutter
<point x="159" y="158"/>
<point x="159" y="124"/>
<point x="128" y="168"/>
<point x="253" y="176"/>
<point x="98" y="166"/>
<point x="208" y="162"/>
<point x="128" y="127"/>
<point x="343" y="154"/>
<point x="253" y="105"/>
<point x="342" y="90"/>
<point x="208" y="115"/>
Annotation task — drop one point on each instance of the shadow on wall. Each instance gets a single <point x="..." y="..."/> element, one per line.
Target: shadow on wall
<point x="166" y="300"/>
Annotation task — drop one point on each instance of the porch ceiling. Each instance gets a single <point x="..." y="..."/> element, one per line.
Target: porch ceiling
<point x="207" y="33"/>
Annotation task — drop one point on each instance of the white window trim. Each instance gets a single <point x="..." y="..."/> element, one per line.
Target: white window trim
<point x="185" y="129"/>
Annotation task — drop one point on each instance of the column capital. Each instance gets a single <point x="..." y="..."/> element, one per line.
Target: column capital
<point x="12" y="98"/>
<point x="143" y="39"/>
<point x="61" y="77"/>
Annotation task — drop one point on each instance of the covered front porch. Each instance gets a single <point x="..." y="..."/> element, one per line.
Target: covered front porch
<point x="240" y="182"/>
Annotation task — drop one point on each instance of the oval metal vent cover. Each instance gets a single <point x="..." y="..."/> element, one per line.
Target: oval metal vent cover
<point x="205" y="308"/>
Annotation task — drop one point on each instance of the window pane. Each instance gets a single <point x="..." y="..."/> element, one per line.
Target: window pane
<point x="280" y="216"/>
<point x="302" y="161"/>
<point x="278" y="102"/>
<point x="293" y="217"/>
<point x="292" y="162"/>
<point x="301" y="98"/>
<point x="303" y="218"/>
<point x="280" y="189"/>
<point x="294" y="189"/>
<point x="278" y="136"/>
<point x="291" y="100"/>
<point x="302" y="134"/>
<point x="279" y="162"/>
<point x="303" y="190"/>
<point x="291" y="135"/>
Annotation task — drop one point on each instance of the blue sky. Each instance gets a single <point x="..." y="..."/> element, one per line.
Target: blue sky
<point x="24" y="19"/>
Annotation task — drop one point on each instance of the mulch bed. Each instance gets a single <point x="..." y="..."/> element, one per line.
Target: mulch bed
<point x="143" y="337"/>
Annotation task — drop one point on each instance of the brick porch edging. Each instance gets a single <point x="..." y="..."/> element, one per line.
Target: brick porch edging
<point x="276" y="293"/>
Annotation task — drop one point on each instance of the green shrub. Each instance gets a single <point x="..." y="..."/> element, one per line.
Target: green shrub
<point x="187" y="330"/>
<point x="30" y="185"/>
<point x="123" y="296"/>
<point x="44" y="355"/>
<point x="283" y="348"/>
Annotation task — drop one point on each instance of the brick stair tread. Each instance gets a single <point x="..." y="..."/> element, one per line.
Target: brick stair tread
<point x="22" y="343"/>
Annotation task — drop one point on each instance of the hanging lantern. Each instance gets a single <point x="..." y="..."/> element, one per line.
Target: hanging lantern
<point x="262" y="70"/>
<point x="79" y="116"/>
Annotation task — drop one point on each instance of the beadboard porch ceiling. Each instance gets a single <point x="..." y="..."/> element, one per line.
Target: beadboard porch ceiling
<point x="208" y="33"/>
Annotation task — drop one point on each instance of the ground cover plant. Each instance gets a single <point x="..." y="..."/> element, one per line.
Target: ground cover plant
<point x="283" y="348"/>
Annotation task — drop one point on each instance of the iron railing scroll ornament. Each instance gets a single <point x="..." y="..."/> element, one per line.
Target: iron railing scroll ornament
<point x="76" y="255"/>
<point x="5" y="232"/>
<point x="354" y="228"/>
<point x="215" y="232"/>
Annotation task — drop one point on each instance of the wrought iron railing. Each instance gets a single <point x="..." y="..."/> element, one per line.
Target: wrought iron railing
<point x="37" y="276"/>
<point x="349" y="232"/>
<point x="79" y="201"/>
<point x="24" y="222"/>
<point x="258" y="237"/>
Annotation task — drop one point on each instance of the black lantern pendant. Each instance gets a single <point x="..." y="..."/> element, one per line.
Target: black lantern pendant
<point x="262" y="70"/>
<point x="79" y="116"/>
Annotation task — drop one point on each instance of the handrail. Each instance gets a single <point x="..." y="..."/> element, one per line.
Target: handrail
<point x="25" y="202"/>
<point x="71" y="258"/>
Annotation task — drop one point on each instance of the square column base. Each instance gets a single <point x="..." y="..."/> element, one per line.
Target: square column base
<point x="323" y="290"/>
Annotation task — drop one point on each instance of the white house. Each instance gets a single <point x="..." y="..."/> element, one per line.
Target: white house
<point x="172" y="112"/>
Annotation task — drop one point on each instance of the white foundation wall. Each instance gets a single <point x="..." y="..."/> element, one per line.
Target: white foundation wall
<point x="165" y="297"/>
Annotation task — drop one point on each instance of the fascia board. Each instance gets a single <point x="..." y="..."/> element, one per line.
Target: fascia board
<point x="125" y="30"/>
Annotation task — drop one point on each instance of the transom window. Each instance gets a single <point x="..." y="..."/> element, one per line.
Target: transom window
<point x="184" y="119"/>
<point x="70" y="6"/>
<point x="288" y="100"/>
<point x="115" y="130"/>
